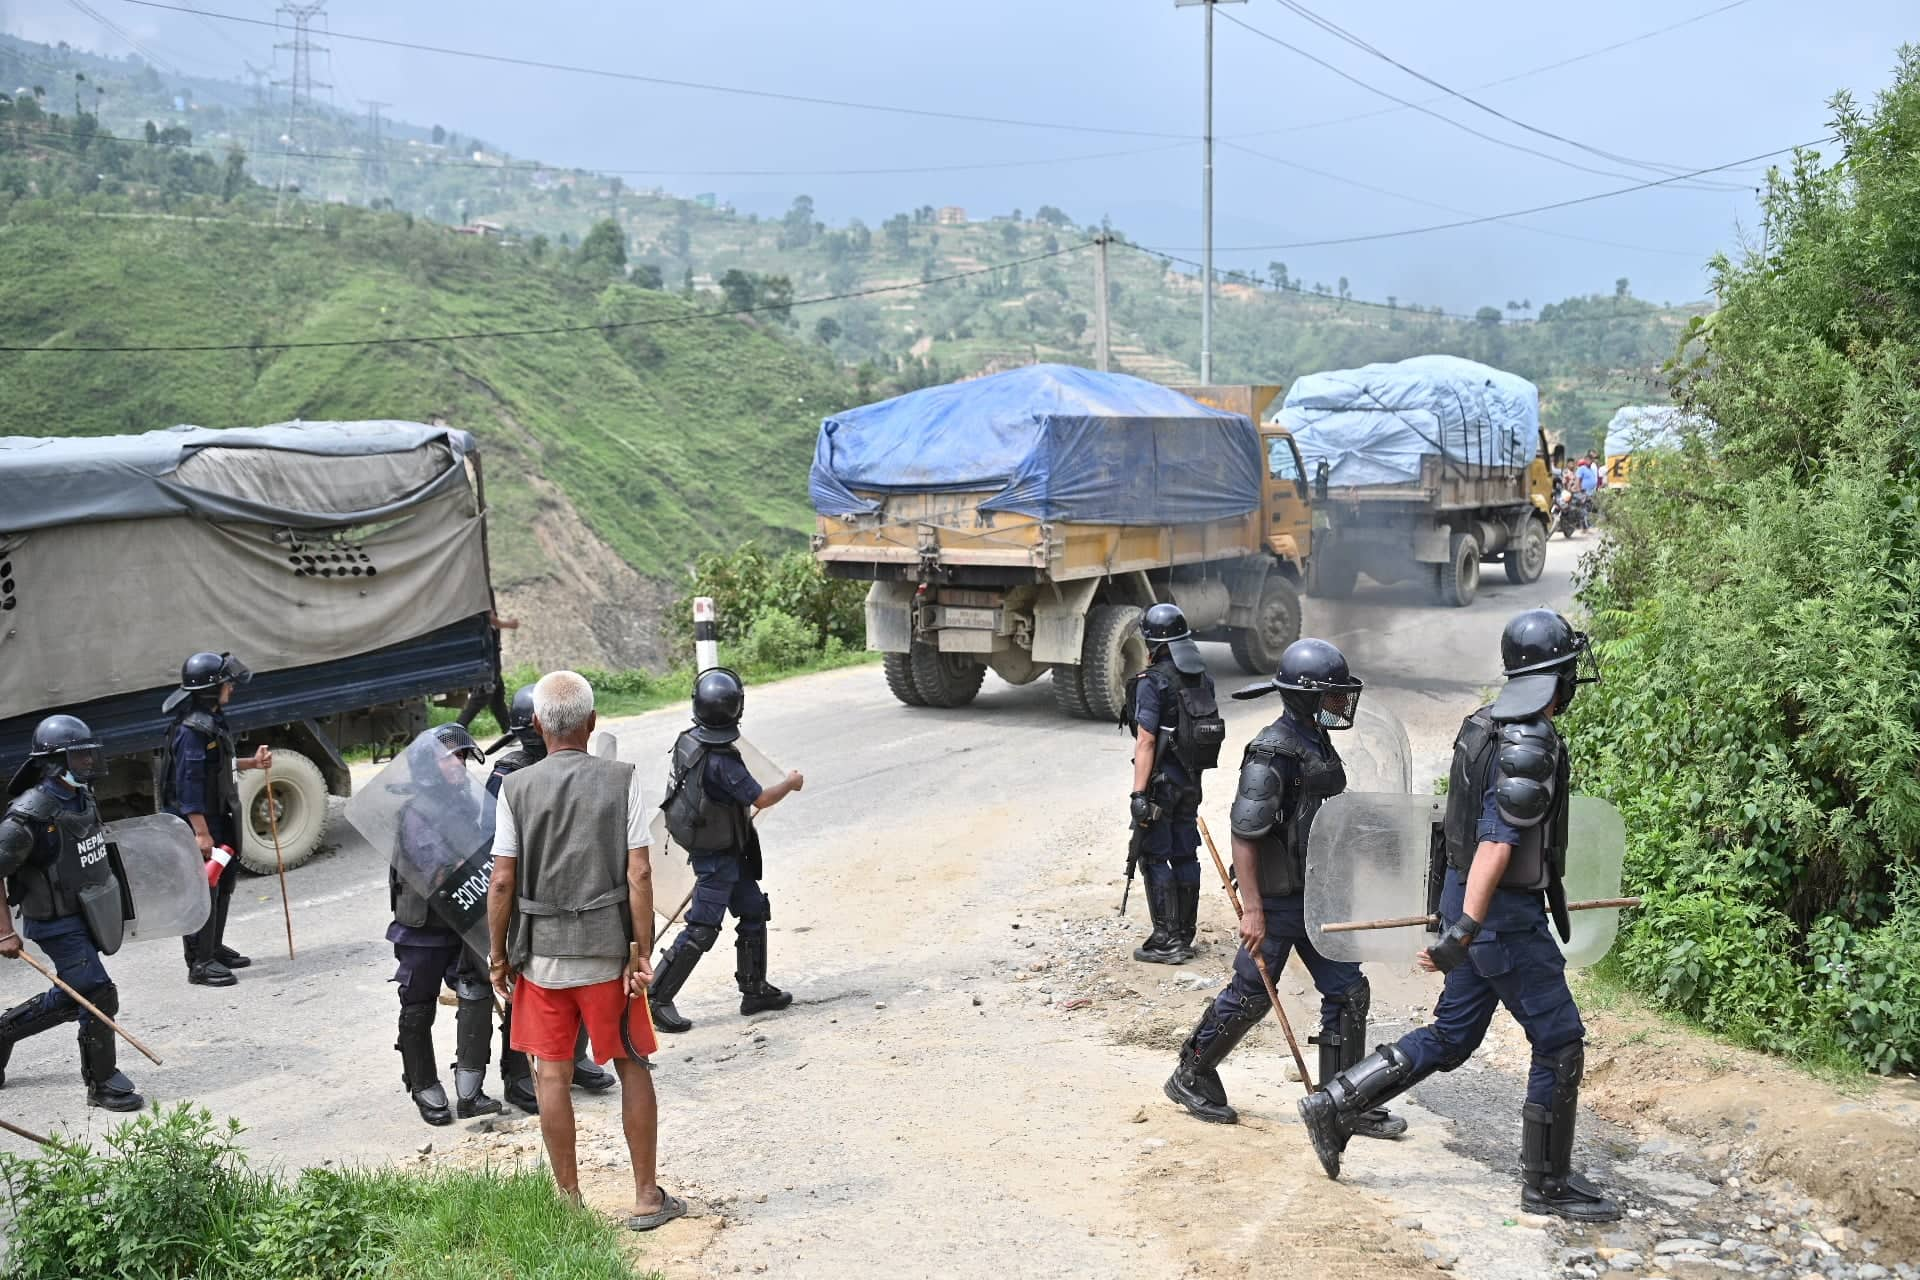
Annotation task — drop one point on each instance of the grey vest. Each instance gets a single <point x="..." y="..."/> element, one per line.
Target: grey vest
<point x="571" y="813"/>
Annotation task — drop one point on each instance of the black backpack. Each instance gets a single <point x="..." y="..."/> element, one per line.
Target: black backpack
<point x="1199" y="730"/>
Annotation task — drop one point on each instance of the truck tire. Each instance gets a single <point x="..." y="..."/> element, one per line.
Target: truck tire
<point x="1276" y="624"/>
<point x="1113" y="653"/>
<point x="1332" y="577"/>
<point x="1526" y="562"/>
<point x="944" y="679"/>
<point x="1068" y="693"/>
<point x="899" y="671"/>
<point x="300" y="790"/>
<point x="1459" y="577"/>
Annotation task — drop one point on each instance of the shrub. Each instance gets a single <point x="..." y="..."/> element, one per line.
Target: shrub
<point x="777" y="639"/>
<point x="749" y="582"/>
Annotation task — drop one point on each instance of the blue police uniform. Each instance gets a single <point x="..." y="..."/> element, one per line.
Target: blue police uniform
<point x="722" y="882"/>
<point x="64" y="938"/>
<point x="1170" y="852"/>
<point x="199" y="778"/>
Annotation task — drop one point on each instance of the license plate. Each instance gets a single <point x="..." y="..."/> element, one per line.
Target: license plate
<point x="950" y="616"/>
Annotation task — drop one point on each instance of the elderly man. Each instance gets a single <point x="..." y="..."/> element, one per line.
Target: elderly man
<point x="570" y="914"/>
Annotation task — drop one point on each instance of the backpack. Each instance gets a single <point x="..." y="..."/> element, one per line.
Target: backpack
<point x="1198" y="728"/>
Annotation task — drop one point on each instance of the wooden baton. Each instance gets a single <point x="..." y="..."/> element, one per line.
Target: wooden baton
<point x="1259" y="961"/>
<point x="1410" y="922"/>
<point x="28" y="1134"/>
<point x="273" y="825"/>
<point x="90" y="1007"/>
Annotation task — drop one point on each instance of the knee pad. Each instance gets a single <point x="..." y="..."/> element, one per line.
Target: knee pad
<point x="1569" y="1064"/>
<point x="702" y="936"/>
<point x="472" y="990"/>
<point x="106" y="997"/>
<point x="418" y="1017"/>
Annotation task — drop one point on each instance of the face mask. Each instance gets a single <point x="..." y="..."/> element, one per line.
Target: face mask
<point x="71" y="781"/>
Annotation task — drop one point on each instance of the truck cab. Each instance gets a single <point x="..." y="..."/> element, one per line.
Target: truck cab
<point x="1286" y="505"/>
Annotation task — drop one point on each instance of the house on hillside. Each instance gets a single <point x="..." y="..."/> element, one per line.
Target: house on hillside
<point x="951" y="215"/>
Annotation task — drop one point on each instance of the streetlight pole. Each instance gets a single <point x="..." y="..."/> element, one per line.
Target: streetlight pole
<point x="1206" y="194"/>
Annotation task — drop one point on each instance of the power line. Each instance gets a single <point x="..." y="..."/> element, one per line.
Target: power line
<point x="1518" y="75"/>
<point x="90" y="12"/>
<point x="1517" y="213"/>
<point x="552" y="330"/>
<point x="1405" y="102"/>
<point x="636" y="78"/>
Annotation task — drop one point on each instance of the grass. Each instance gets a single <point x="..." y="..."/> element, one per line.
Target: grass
<point x="492" y="1225"/>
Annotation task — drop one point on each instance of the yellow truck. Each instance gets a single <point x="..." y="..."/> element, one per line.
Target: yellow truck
<point x="1024" y="522"/>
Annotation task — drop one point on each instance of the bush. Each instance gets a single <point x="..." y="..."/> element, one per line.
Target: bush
<point x="749" y="583"/>
<point x="1755" y="612"/>
<point x="777" y="639"/>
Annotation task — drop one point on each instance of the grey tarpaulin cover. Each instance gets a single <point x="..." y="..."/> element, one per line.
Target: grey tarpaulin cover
<point x="1374" y="424"/>
<point x="1049" y="441"/>
<point x="1637" y="428"/>
<point x="287" y="545"/>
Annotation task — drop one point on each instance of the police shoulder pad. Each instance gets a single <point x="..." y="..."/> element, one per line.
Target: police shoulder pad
<point x="36" y="804"/>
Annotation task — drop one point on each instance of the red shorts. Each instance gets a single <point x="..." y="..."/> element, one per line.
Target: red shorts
<point x="546" y="1020"/>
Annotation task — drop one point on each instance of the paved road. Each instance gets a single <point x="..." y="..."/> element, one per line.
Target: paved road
<point x="924" y="1108"/>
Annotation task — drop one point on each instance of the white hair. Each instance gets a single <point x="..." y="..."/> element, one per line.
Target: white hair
<point x="562" y="701"/>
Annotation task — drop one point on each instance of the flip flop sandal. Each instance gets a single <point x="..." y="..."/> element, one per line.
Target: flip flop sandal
<point x="671" y="1207"/>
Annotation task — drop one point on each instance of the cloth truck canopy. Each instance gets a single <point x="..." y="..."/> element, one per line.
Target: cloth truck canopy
<point x="1050" y="441"/>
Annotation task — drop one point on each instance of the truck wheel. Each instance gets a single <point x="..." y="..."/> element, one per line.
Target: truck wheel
<point x="945" y="679"/>
<point x="1460" y="575"/>
<point x="1276" y="624"/>
<point x="1068" y="693"/>
<point x="899" y="670"/>
<point x="1332" y="577"/>
<point x="1526" y="562"/>
<point x="300" y="792"/>
<point x="1113" y="653"/>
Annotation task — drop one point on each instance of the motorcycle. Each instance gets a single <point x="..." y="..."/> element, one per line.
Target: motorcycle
<point x="1572" y="512"/>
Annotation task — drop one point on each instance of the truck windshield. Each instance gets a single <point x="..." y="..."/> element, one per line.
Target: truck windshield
<point x="1280" y="461"/>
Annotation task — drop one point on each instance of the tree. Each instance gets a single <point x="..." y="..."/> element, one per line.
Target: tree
<point x="1052" y="217"/>
<point x="739" y="290"/>
<point x="233" y="178"/>
<point x="826" y="330"/>
<point x="797" y="227"/>
<point x="899" y="233"/>
<point x="1345" y="291"/>
<point x="604" y="249"/>
<point x="538" y="248"/>
<point x="1010" y="235"/>
<point x="1277" y="272"/>
<point x="776" y="295"/>
<point x="1487" y="317"/>
<point x="439" y="135"/>
<point x="1621" y="289"/>
<point x="649" y="276"/>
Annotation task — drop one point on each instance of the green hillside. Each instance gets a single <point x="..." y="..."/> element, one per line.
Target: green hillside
<point x="666" y="440"/>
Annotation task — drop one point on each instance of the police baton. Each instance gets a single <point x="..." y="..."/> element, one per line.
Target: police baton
<point x="273" y="825"/>
<point x="89" y="1006"/>
<point x="1259" y="961"/>
<point x="28" y="1134"/>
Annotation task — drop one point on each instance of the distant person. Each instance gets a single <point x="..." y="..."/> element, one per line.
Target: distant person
<point x="1177" y="734"/>
<point x="570" y="917"/>
<point x="52" y="851"/>
<point x="197" y="782"/>
<point x="491" y="696"/>
<point x="1589" y="477"/>
<point x="710" y="804"/>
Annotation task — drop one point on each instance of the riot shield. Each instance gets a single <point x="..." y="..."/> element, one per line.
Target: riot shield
<point x="604" y="745"/>
<point x="166" y="876"/>
<point x="672" y="873"/>
<point x="429" y="813"/>
<point x="1375" y="752"/>
<point x="1368" y="859"/>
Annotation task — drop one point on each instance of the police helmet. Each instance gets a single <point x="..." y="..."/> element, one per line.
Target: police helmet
<point x="520" y="718"/>
<point x="205" y="672"/>
<point x="719" y="700"/>
<point x="456" y="739"/>
<point x="64" y="743"/>
<point x="1315" y="684"/>
<point x="1545" y="660"/>
<point x="1163" y="624"/>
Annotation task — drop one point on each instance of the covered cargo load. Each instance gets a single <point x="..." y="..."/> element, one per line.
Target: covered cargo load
<point x="1052" y="442"/>
<point x="1641" y="428"/>
<point x="1374" y="425"/>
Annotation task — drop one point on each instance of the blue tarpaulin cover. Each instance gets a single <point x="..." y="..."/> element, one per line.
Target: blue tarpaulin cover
<point x="1372" y="425"/>
<point x="1051" y="441"/>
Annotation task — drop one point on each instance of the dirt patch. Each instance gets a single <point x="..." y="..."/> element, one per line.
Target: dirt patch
<point x="1857" y="1149"/>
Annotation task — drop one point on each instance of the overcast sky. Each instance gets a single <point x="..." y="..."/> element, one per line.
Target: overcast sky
<point x="1746" y="80"/>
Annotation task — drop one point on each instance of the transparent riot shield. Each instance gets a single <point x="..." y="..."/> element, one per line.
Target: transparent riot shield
<point x="1596" y="851"/>
<point x="166" y="876"/>
<point x="672" y="872"/>
<point x="1375" y="752"/>
<point x="429" y="812"/>
<point x="604" y="745"/>
<point x="1367" y="859"/>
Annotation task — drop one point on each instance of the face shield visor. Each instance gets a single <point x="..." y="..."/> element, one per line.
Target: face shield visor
<point x="84" y="761"/>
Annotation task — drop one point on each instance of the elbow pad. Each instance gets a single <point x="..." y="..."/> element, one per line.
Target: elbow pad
<point x="1256" y="804"/>
<point x="1529" y="758"/>
<point x="16" y="844"/>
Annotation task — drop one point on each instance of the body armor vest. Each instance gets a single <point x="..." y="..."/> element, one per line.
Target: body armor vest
<point x="1190" y="721"/>
<point x="698" y="822"/>
<point x="223" y="790"/>
<point x="1539" y="859"/>
<point x="1283" y="850"/>
<point x="47" y="887"/>
<point x="421" y="822"/>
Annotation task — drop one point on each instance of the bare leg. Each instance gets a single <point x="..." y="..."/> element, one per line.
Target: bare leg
<point x="640" y="1117"/>
<point x="553" y="1086"/>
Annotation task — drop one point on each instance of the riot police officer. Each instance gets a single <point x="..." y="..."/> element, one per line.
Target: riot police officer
<point x="711" y="799"/>
<point x="197" y="782"/>
<point x="1177" y="735"/>
<point x="530" y="748"/>
<point x="1506" y="843"/>
<point x="1288" y="770"/>
<point x="61" y="875"/>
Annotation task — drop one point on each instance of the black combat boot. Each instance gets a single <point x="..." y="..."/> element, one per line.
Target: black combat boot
<point x="694" y="941"/>
<point x="29" y="1018"/>
<point x="470" y="1098"/>
<point x="1329" y="1111"/>
<point x="1187" y="903"/>
<point x="1195" y="1082"/>
<point x="472" y="1039"/>
<point x="516" y="1073"/>
<point x="225" y="954"/>
<point x="757" y="995"/>
<point x="1163" y="944"/>
<point x="1548" y="1183"/>
<point x="418" y="1074"/>
<point x="1343" y="1048"/>
<point x="107" y="1088"/>
<point x="588" y="1075"/>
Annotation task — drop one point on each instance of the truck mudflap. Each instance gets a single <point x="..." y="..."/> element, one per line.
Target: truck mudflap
<point x="890" y="616"/>
<point x="1060" y="620"/>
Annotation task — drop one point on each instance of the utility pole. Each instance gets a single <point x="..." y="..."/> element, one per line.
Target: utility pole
<point x="262" y="105"/>
<point x="1206" y="195"/>
<point x="1101" y="340"/>
<point x="300" y="84"/>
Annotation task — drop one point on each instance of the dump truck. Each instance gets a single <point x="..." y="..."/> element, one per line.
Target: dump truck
<point x="1426" y="468"/>
<point x="1023" y="522"/>
<point x="344" y="562"/>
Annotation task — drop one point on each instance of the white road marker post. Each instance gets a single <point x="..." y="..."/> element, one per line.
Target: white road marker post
<point x="706" y="636"/>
